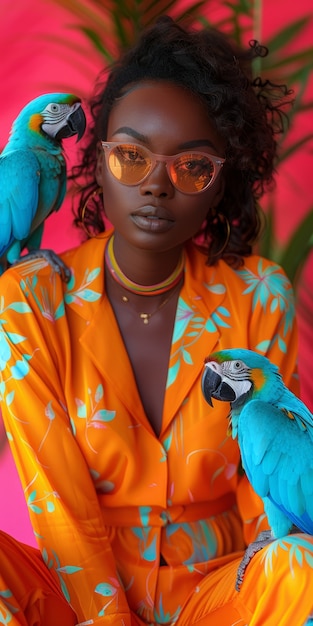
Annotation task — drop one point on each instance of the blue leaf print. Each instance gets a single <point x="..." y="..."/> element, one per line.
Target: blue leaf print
<point x="10" y="609"/>
<point x="99" y="393"/>
<point x="19" y="307"/>
<point x="64" y="589"/>
<point x="68" y="298"/>
<point x="44" y="555"/>
<point x="197" y="322"/>
<point x="5" y="352"/>
<point x="298" y="547"/>
<point x="71" y="282"/>
<point x="282" y="345"/>
<point x="103" y="415"/>
<point x="263" y="346"/>
<point x="34" y="281"/>
<point x="81" y="408"/>
<point x="268" y="283"/>
<point x="161" y="617"/>
<point x="6" y="593"/>
<point x="223" y="311"/>
<point x="172" y="373"/>
<point x="218" y="289"/>
<point x="309" y="558"/>
<point x="20" y="369"/>
<point x="167" y="442"/>
<point x="299" y="556"/>
<point x="186" y="356"/>
<point x="105" y="589"/>
<point x="49" y="412"/>
<point x="68" y="569"/>
<point x="210" y="326"/>
<point x="89" y="295"/>
<point x="9" y="398"/>
<point x="138" y="532"/>
<point x="93" y="274"/>
<point x="32" y="497"/>
<point x="15" y="338"/>
<point x="216" y="317"/>
<point x="36" y="509"/>
<point x="83" y="292"/>
<point x="60" y="310"/>
<point x="149" y="553"/>
<point x="183" y="316"/>
<point x="144" y="514"/>
<point x="274" y="305"/>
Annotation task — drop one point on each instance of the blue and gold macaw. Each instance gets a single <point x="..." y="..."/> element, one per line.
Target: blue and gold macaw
<point x="275" y="434"/>
<point x="33" y="173"/>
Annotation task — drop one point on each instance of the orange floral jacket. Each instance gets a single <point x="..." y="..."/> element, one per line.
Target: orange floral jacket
<point x="106" y="496"/>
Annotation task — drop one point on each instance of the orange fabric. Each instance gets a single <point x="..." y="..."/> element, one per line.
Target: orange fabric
<point x="39" y="598"/>
<point x="105" y="495"/>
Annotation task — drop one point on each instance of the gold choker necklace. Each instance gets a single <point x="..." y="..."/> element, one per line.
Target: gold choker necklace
<point x="141" y="290"/>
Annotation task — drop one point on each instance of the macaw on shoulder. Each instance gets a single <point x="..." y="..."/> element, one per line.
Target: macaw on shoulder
<point x="33" y="173"/>
<point x="275" y="434"/>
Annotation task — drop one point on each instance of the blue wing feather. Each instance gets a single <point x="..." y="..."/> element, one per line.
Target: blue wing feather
<point x="19" y="184"/>
<point x="280" y="464"/>
<point x="287" y="401"/>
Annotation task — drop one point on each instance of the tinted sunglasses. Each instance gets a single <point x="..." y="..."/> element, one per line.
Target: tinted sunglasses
<point x="189" y="171"/>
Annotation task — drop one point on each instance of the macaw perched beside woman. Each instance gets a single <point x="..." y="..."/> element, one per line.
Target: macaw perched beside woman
<point x="133" y="484"/>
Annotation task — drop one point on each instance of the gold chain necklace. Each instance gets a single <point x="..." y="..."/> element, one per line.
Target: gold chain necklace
<point x="146" y="317"/>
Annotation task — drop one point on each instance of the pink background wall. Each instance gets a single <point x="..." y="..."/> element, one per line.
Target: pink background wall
<point x="34" y="61"/>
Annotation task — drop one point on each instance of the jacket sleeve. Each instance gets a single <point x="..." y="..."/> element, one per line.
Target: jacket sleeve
<point x="273" y="332"/>
<point x="60" y="494"/>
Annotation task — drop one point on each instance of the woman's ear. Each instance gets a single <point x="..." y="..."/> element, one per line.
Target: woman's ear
<point x="99" y="165"/>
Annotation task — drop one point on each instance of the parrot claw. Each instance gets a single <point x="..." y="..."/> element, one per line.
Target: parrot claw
<point x="262" y="540"/>
<point x="52" y="258"/>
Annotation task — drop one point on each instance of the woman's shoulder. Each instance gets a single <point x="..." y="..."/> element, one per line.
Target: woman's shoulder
<point x="81" y="259"/>
<point x="252" y="265"/>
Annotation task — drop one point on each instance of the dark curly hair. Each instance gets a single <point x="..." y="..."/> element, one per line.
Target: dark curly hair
<point x="248" y="113"/>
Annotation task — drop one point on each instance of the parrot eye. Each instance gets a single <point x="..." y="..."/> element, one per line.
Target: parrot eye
<point x="52" y="109"/>
<point x="237" y="365"/>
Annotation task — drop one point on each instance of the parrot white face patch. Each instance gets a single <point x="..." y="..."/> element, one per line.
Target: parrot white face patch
<point x="55" y="117"/>
<point x="240" y="387"/>
<point x="237" y="375"/>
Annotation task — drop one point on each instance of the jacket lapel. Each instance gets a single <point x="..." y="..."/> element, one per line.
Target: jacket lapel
<point x="98" y="331"/>
<point x="196" y="332"/>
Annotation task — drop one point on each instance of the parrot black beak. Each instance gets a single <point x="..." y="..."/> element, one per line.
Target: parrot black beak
<point x="213" y="386"/>
<point x="75" y="124"/>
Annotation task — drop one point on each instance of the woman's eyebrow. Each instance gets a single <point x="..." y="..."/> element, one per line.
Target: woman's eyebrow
<point x="126" y="130"/>
<point x="192" y="143"/>
<point x="196" y="143"/>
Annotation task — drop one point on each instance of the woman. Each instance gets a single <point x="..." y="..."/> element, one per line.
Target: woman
<point x="133" y="484"/>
